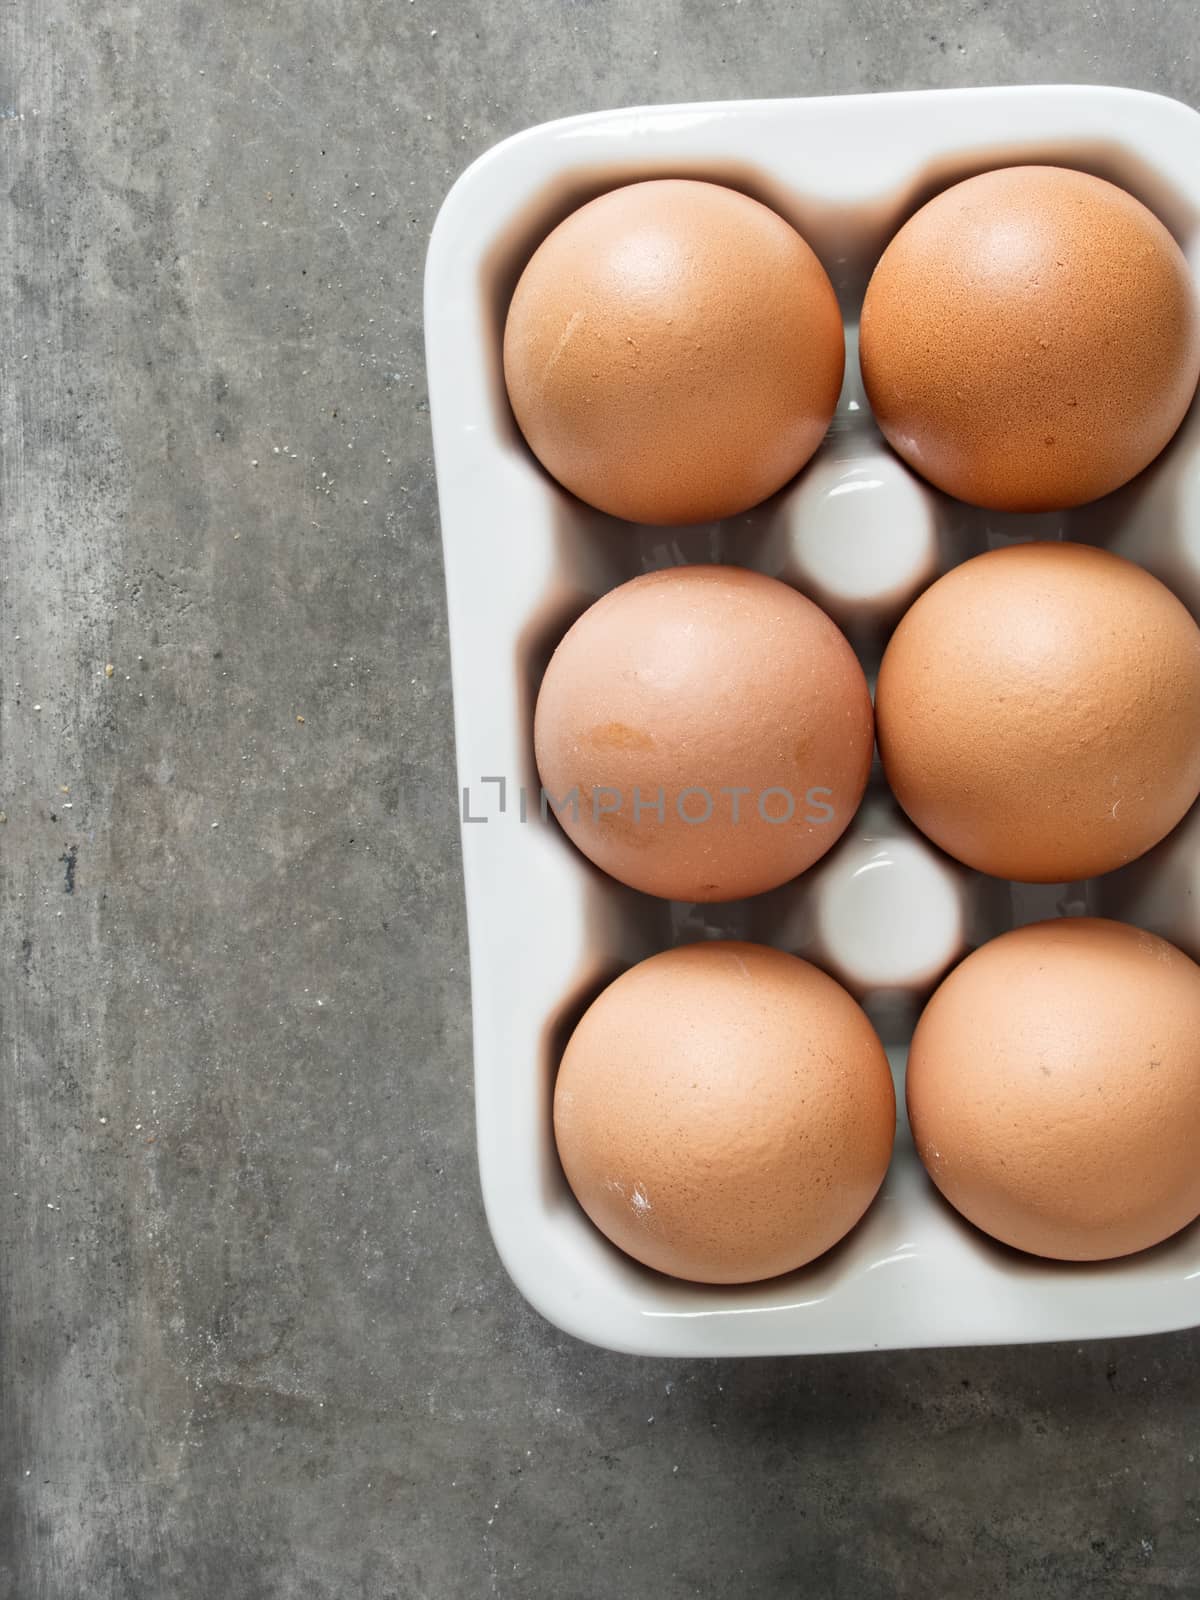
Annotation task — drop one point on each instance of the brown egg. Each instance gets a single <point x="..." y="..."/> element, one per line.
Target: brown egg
<point x="673" y="352"/>
<point x="1038" y="712"/>
<point x="1030" y="339"/>
<point x="724" y="1112"/>
<point x="703" y="733"/>
<point x="1054" y="1089"/>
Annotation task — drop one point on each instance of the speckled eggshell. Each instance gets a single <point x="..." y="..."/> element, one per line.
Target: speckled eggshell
<point x="1030" y="339"/>
<point x="1038" y="712"/>
<point x="689" y="683"/>
<point x="673" y="352"/>
<point x="1054" y="1089"/>
<point x="724" y="1112"/>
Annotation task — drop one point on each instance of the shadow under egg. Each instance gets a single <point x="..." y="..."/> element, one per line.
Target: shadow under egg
<point x="1155" y="519"/>
<point x="1160" y="891"/>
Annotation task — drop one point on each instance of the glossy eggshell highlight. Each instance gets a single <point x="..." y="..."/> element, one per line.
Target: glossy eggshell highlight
<point x="673" y="352"/>
<point x="690" y="683"/>
<point x="1054" y="1089"/>
<point x="1038" y="712"/>
<point x="1030" y="339"/>
<point x="724" y="1112"/>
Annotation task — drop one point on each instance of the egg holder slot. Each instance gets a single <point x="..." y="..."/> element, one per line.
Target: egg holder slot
<point x="885" y="911"/>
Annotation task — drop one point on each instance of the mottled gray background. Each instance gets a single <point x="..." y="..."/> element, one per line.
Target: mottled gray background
<point x="254" y="1340"/>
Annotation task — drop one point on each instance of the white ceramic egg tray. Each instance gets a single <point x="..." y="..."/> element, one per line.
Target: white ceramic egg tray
<point x="885" y="911"/>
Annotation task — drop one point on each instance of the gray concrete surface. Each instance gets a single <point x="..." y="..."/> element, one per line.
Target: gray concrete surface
<point x="254" y="1340"/>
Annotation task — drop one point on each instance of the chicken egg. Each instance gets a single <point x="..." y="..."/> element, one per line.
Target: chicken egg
<point x="703" y="733"/>
<point x="673" y="352"/>
<point x="1038" y="712"/>
<point x="1054" y="1089"/>
<point x="724" y="1112"/>
<point x="1030" y="339"/>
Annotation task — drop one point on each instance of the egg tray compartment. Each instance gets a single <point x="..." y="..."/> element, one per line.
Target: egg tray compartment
<point x="885" y="911"/>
